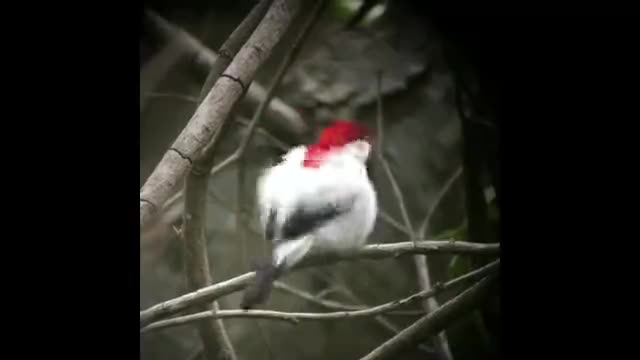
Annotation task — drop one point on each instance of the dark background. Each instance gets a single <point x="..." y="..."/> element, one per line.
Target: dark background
<point x="424" y="65"/>
<point x="563" y="95"/>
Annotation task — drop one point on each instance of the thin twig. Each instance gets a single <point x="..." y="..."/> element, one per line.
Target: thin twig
<point x="431" y="304"/>
<point x="334" y="305"/>
<point x="295" y="317"/>
<point x="433" y="322"/>
<point x="438" y="199"/>
<point x="239" y="213"/>
<point x="393" y="222"/>
<point x="389" y="173"/>
<point x="372" y="251"/>
<point x="281" y="145"/>
<point x="398" y="194"/>
<point x="381" y="319"/>
<point x="385" y="165"/>
<point x="216" y="107"/>
<point x="187" y="98"/>
<point x="384" y="321"/>
<point x="157" y="68"/>
<point x="279" y="113"/>
<point x="324" y="293"/>
<point x="420" y="262"/>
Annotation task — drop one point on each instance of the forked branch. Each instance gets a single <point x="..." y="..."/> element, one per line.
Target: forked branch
<point x="216" y="106"/>
<point x="434" y="322"/>
<point x="374" y="251"/>
<point x="296" y="317"/>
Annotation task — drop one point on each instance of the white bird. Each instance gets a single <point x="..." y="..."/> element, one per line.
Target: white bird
<point x="319" y="197"/>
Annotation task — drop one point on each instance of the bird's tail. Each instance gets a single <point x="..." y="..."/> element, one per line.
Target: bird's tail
<point x="259" y="290"/>
<point x="285" y="255"/>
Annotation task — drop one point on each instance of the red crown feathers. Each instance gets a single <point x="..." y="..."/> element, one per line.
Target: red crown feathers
<point x="337" y="134"/>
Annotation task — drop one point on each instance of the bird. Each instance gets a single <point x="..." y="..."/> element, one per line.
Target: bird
<point x="319" y="197"/>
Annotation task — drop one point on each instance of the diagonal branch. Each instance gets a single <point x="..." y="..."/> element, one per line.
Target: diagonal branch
<point x="188" y="98"/>
<point x="393" y="222"/>
<point x="215" y="108"/>
<point x="283" y="116"/>
<point x="287" y="61"/>
<point x="197" y="181"/>
<point x="295" y="317"/>
<point x="374" y="251"/>
<point x="436" y="202"/>
<point x="381" y="319"/>
<point x="157" y="68"/>
<point x="214" y="337"/>
<point x="433" y="323"/>
<point x="232" y="45"/>
<point x="331" y="304"/>
<point x="385" y="165"/>
<point x="431" y="304"/>
<point x="266" y="134"/>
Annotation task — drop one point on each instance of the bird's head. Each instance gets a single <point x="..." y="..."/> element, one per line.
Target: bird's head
<point x="339" y="136"/>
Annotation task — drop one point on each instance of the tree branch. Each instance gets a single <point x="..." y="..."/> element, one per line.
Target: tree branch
<point x="287" y="61"/>
<point x="157" y="68"/>
<point x="232" y="45"/>
<point x="381" y="319"/>
<point x="295" y="317"/>
<point x="434" y="322"/>
<point x="385" y="165"/>
<point x="431" y="304"/>
<point x="333" y="305"/>
<point x="393" y="222"/>
<point x="215" y="108"/>
<point x="422" y="270"/>
<point x="181" y="97"/>
<point x="251" y="125"/>
<point x="274" y="140"/>
<point x="228" y="51"/>
<point x="374" y="251"/>
<point x="214" y="337"/>
<point x="422" y="231"/>
<point x="278" y="112"/>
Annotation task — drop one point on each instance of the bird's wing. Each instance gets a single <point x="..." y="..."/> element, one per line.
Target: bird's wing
<point x="294" y="201"/>
<point x="272" y="187"/>
<point x="309" y="213"/>
<point x="306" y="217"/>
<point x="265" y="202"/>
<point x="324" y="201"/>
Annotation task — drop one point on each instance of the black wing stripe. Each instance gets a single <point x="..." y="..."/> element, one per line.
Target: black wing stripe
<point x="304" y="220"/>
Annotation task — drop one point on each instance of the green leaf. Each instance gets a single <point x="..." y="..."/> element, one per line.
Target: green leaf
<point x="344" y="9"/>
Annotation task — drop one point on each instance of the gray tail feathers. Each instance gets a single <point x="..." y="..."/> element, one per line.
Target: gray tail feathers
<point x="259" y="290"/>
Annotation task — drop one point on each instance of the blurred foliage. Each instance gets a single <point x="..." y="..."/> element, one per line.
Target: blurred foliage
<point x="334" y="76"/>
<point x="343" y="10"/>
